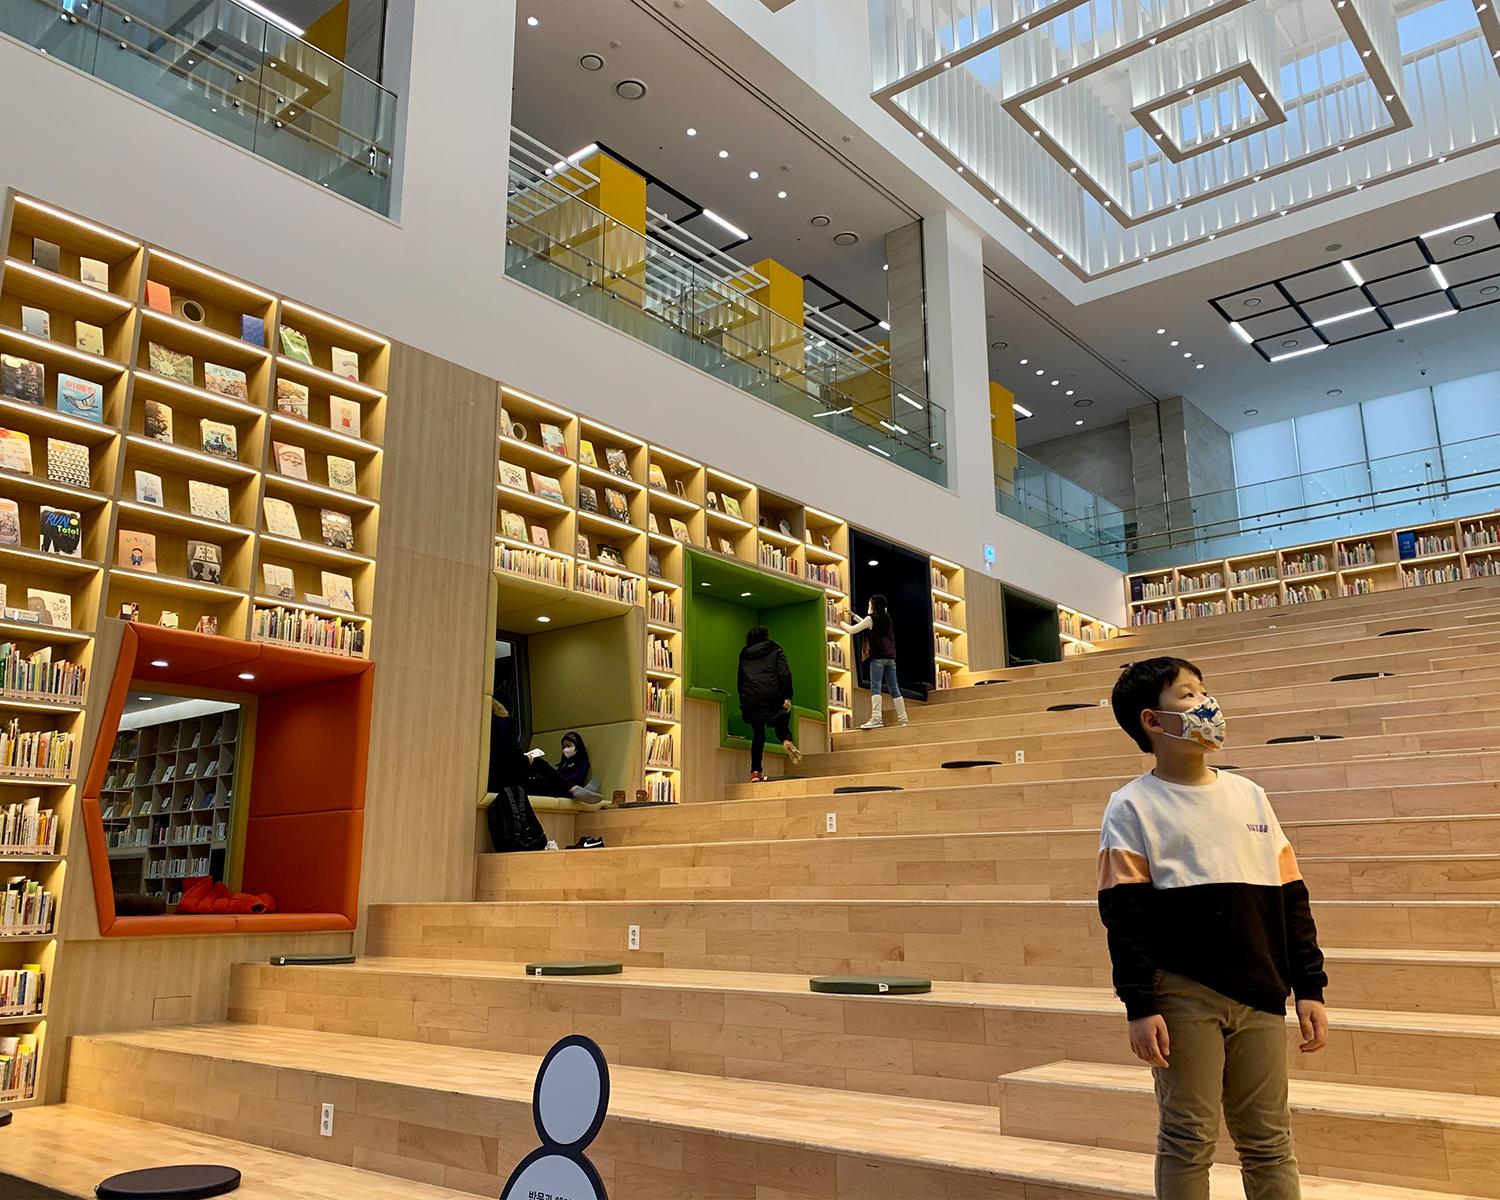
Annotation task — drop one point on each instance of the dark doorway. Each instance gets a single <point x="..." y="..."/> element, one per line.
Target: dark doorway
<point x="904" y="578"/>
<point x="1031" y="633"/>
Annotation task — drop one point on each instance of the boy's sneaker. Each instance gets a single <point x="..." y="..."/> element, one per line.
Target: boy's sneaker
<point x="756" y="777"/>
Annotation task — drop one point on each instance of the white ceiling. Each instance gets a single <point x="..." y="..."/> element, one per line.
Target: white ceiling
<point x="1105" y="349"/>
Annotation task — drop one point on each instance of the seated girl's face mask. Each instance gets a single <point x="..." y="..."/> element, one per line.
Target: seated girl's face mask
<point x="1203" y="724"/>
<point x="569" y="751"/>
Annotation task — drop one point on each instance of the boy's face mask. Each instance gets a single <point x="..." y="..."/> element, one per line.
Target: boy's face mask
<point x="1203" y="724"/>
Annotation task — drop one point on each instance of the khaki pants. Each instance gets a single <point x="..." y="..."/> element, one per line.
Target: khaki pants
<point x="1223" y="1055"/>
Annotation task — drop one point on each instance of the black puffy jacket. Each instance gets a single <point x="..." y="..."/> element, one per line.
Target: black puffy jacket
<point x="765" y="681"/>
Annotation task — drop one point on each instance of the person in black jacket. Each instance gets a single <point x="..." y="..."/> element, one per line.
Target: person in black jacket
<point x="765" y="687"/>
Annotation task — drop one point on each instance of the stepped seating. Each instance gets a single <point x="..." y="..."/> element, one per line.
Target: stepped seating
<point x="1012" y="1077"/>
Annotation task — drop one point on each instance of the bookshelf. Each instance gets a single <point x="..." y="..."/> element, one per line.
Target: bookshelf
<point x="949" y="622"/>
<point x="167" y="801"/>
<point x="1409" y="556"/>
<point x="826" y="551"/>
<point x="1081" y="633"/>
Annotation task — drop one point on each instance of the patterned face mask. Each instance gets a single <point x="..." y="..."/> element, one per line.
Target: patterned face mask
<point x="1203" y="724"/>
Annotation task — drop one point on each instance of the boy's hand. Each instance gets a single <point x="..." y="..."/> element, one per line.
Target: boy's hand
<point x="1149" y="1041"/>
<point x="1313" y="1018"/>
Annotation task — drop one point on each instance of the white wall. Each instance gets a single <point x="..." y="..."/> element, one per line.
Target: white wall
<point x="437" y="279"/>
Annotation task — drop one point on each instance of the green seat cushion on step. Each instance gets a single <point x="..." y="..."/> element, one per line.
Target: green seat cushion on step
<point x="869" y="985"/>
<point x="574" y="968"/>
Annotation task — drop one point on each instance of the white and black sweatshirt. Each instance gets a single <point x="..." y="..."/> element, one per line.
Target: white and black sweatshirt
<point x="1201" y="881"/>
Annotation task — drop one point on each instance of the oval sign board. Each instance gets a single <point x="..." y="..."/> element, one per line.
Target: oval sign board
<point x="568" y="1105"/>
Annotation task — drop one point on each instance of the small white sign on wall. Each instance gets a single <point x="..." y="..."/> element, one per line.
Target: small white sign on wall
<point x="568" y="1104"/>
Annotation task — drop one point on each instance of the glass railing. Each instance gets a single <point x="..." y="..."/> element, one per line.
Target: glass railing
<point x="702" y="313"/>
<point x="1434" y="483"/>
<point x="232" y="73"/>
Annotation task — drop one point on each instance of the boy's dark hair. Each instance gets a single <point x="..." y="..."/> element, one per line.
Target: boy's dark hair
<point x="757" y="634"/>
<point x="1140" y="687"/>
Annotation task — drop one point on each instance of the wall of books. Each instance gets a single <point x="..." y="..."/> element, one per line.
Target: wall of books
<point x="178" y="447"/>
<point x="586" y="506"/>
<point x="949" y="639"/>
<point x="1411" y="556"/>
<point x="1081" y="633"/>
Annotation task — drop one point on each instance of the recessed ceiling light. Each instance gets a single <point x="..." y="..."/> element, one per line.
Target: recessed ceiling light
<point x="1083" y="402"/>
<point x="1079" y="421"/>
<point x="723" y="153"/>
<point x="1252" y="412"/>
<point x="1252" y="302"/>
<point x="160" y="662"/>
<point x="533" y="22"/>
<point x="1025" y="361"/>
<point x="144" y="699"/>
<point x="754" y="174"/>
<point x="1174" y="344"/>
<point x="1028" y="229"/>
<point x="1490" y="290"/>
<point x="1463" y="239"/>
<point x="820" y="220"/>
<point x="247" y="675"/>
<point x="1160" y="332"/>
<point x="1069" y="392"/>
<point x="1187" y="354"/>
<point x="782" y="196"/>
<point x="1039" y="371"/>
<point x="874" y="562"/>
<point x="1335" y="392"/>
<point x="703" y="584"/>
<point x="1290" y="343"/>
<point x="692" y="132"/>
<point x="1054" y="382"/>
<point x="1199" y="366"/>
<point x="744" y="595"/>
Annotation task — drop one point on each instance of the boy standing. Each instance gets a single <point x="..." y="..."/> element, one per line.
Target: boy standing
<point x="1209" y="927"/>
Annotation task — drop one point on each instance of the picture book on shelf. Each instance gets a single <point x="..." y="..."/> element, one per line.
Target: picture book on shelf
<point x="681" y="489"/>
<point x="61" y="532"/>
<point x="15" y="451"/>
<point x="513" y="525"/>
<point x="167" y="620"/>
<point x="713" y="501"/>
<point x="679" y="529"/>
<point x="610" y="554"/>
<point x="338" y="591"/>
<point x="21" y="379"/>
<point x="732" y="507"/>
<point x="207" y="623"/>
<point x="552" y="439"/>
<point x="219" y="439"/>
<point x="784" y="526"/>
<point x="80" y="398"/>
<point x="158" y="421"/>
<point x="205" y="561"/>
<point x="581" y="546"/>
<point x="345" y="363"/>
<point x="343" y="415"/>
<point x="252" y="330"/>
<point x="546" y="486"/>
<point x="291" y="398"/>
<point x="36" y="321"/>
<point x="513" y="476"/>
<point x="130" y="610"/>
<point x="653" y="564"/>
<point x="540" y="537"/>
<point x="586" y="453"/>
<point x="169" y="363"/>
<point x="88" y="338"/>
<point x="45" y="254"/>
<point x="651" y="523"/>
<point x="618" y="508"/>
<point x="136" y="550"/>
<point x="281" y="518"/>
<point x="226" y="381"/>
<point x="618" y="463"/>
<point x="94" y="273"/>
<point x="280" y="582"/>
<point x="294" y="345"/>
<point x="208" y="500"/>
<point x="68" y="462"/>
<point x="656" y="476"/>
<point x="291" y="461"/>
<point x="159" y="296"/>
<point x="10" y="523"/>
<point x="148" y="488"/>
<point x="54" y="608"/>
<point x="726" y="547"/>
<point x="588" y="499"/>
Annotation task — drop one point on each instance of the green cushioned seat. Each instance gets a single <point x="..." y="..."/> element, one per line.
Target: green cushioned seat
<point x="574" y="968"/>
<point x="869" y="985"/>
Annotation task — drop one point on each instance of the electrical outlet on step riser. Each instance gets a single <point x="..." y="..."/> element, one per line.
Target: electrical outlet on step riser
<point x="633" y="938"/>
<point x="325" y="1123"/>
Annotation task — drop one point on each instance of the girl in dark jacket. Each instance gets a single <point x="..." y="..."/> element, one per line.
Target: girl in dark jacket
<point x="880" y="633"/>
<point x="765" y="686"/>
<point x="570" y="778"/>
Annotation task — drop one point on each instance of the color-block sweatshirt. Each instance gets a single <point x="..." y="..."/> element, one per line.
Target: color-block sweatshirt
<point x="1201" y="881"/>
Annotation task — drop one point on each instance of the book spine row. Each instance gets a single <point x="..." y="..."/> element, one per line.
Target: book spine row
<point x="27" y="907"/>
<point x="1263" y="574"/>
<point x="546" y="568"/>
<point x="661" y="789"/>
<point x="944" y="679"/>
<point x="1201" y="583"/>
<point x="661" y="606"/>
<point x="825" y="573"/>
<point x="1307" y="564"/>
<point x="1151" y="616"/>
<point x="840" y="722"/>
<point x="1306" y="594"/>
<point x="778" y="559"/>
<point x="1067" y="623"/>
<point x="310" y="631"/>
<point x="838" y="694"/>
<point x="659" y="654"/>
<point x="1359" y="586"/>
<point x="1155" y="589"/>
<point x="1360" y="554"/>
<point x="1251" y="603"/>
<point x="1479" y="536"/>
<point x="830" y="611"/>
<point x="608" y="584"/>
<point x="942" y="611"/>
<point x="40" y="752"/>
<point x="177" y="868"/>
<point x="27" y="826"/>
<point x="18" y="1057"/>
<point x="1483" y="568"/>
<point x="943" y="644"/>
<point x="940" y="580"/>
<point x="836" y="655"/>
<point x="21" y="990"/>
<point x="38" y="676"/>
<point x="660" y="749"/>
<point x="1431" y="543"/>
<point x="1203" y="609"/>
<point x="1425" y="577"/>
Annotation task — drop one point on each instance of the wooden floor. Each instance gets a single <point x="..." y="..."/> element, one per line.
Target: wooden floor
<point x="1011" y="1079"/>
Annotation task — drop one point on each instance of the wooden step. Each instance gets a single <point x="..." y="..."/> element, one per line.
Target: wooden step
<point x="467" y="1114"/>
<point x="72" y="1148"/>
<point x="983" y="807"/>
<point x="950" y="1044"/>
<point x="1041" y="865"/>
<point x="1403" y="1138"/>
<point x="988" y="941"/>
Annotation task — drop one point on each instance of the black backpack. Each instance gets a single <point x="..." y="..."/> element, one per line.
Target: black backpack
<point x="512" y="821"/>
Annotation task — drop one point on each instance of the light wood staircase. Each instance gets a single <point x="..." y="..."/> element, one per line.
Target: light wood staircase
<point x="1012" y="1079"/>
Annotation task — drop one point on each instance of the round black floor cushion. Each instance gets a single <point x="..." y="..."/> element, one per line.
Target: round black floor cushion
<point x="195" y="1182"/>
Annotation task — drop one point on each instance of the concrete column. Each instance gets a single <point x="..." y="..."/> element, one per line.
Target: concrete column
<point x="957" y="363"/>
<point x="905" y="290"/>
<point x="1183" y="469"/>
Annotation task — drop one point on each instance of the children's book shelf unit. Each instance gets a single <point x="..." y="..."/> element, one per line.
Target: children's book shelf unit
<point x="1409" y="556"/>
<point x="1081" y="633"/>
<point x="586" y="506"/>
<point x="950" y="640"/>
<point x="141" y="391"/>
